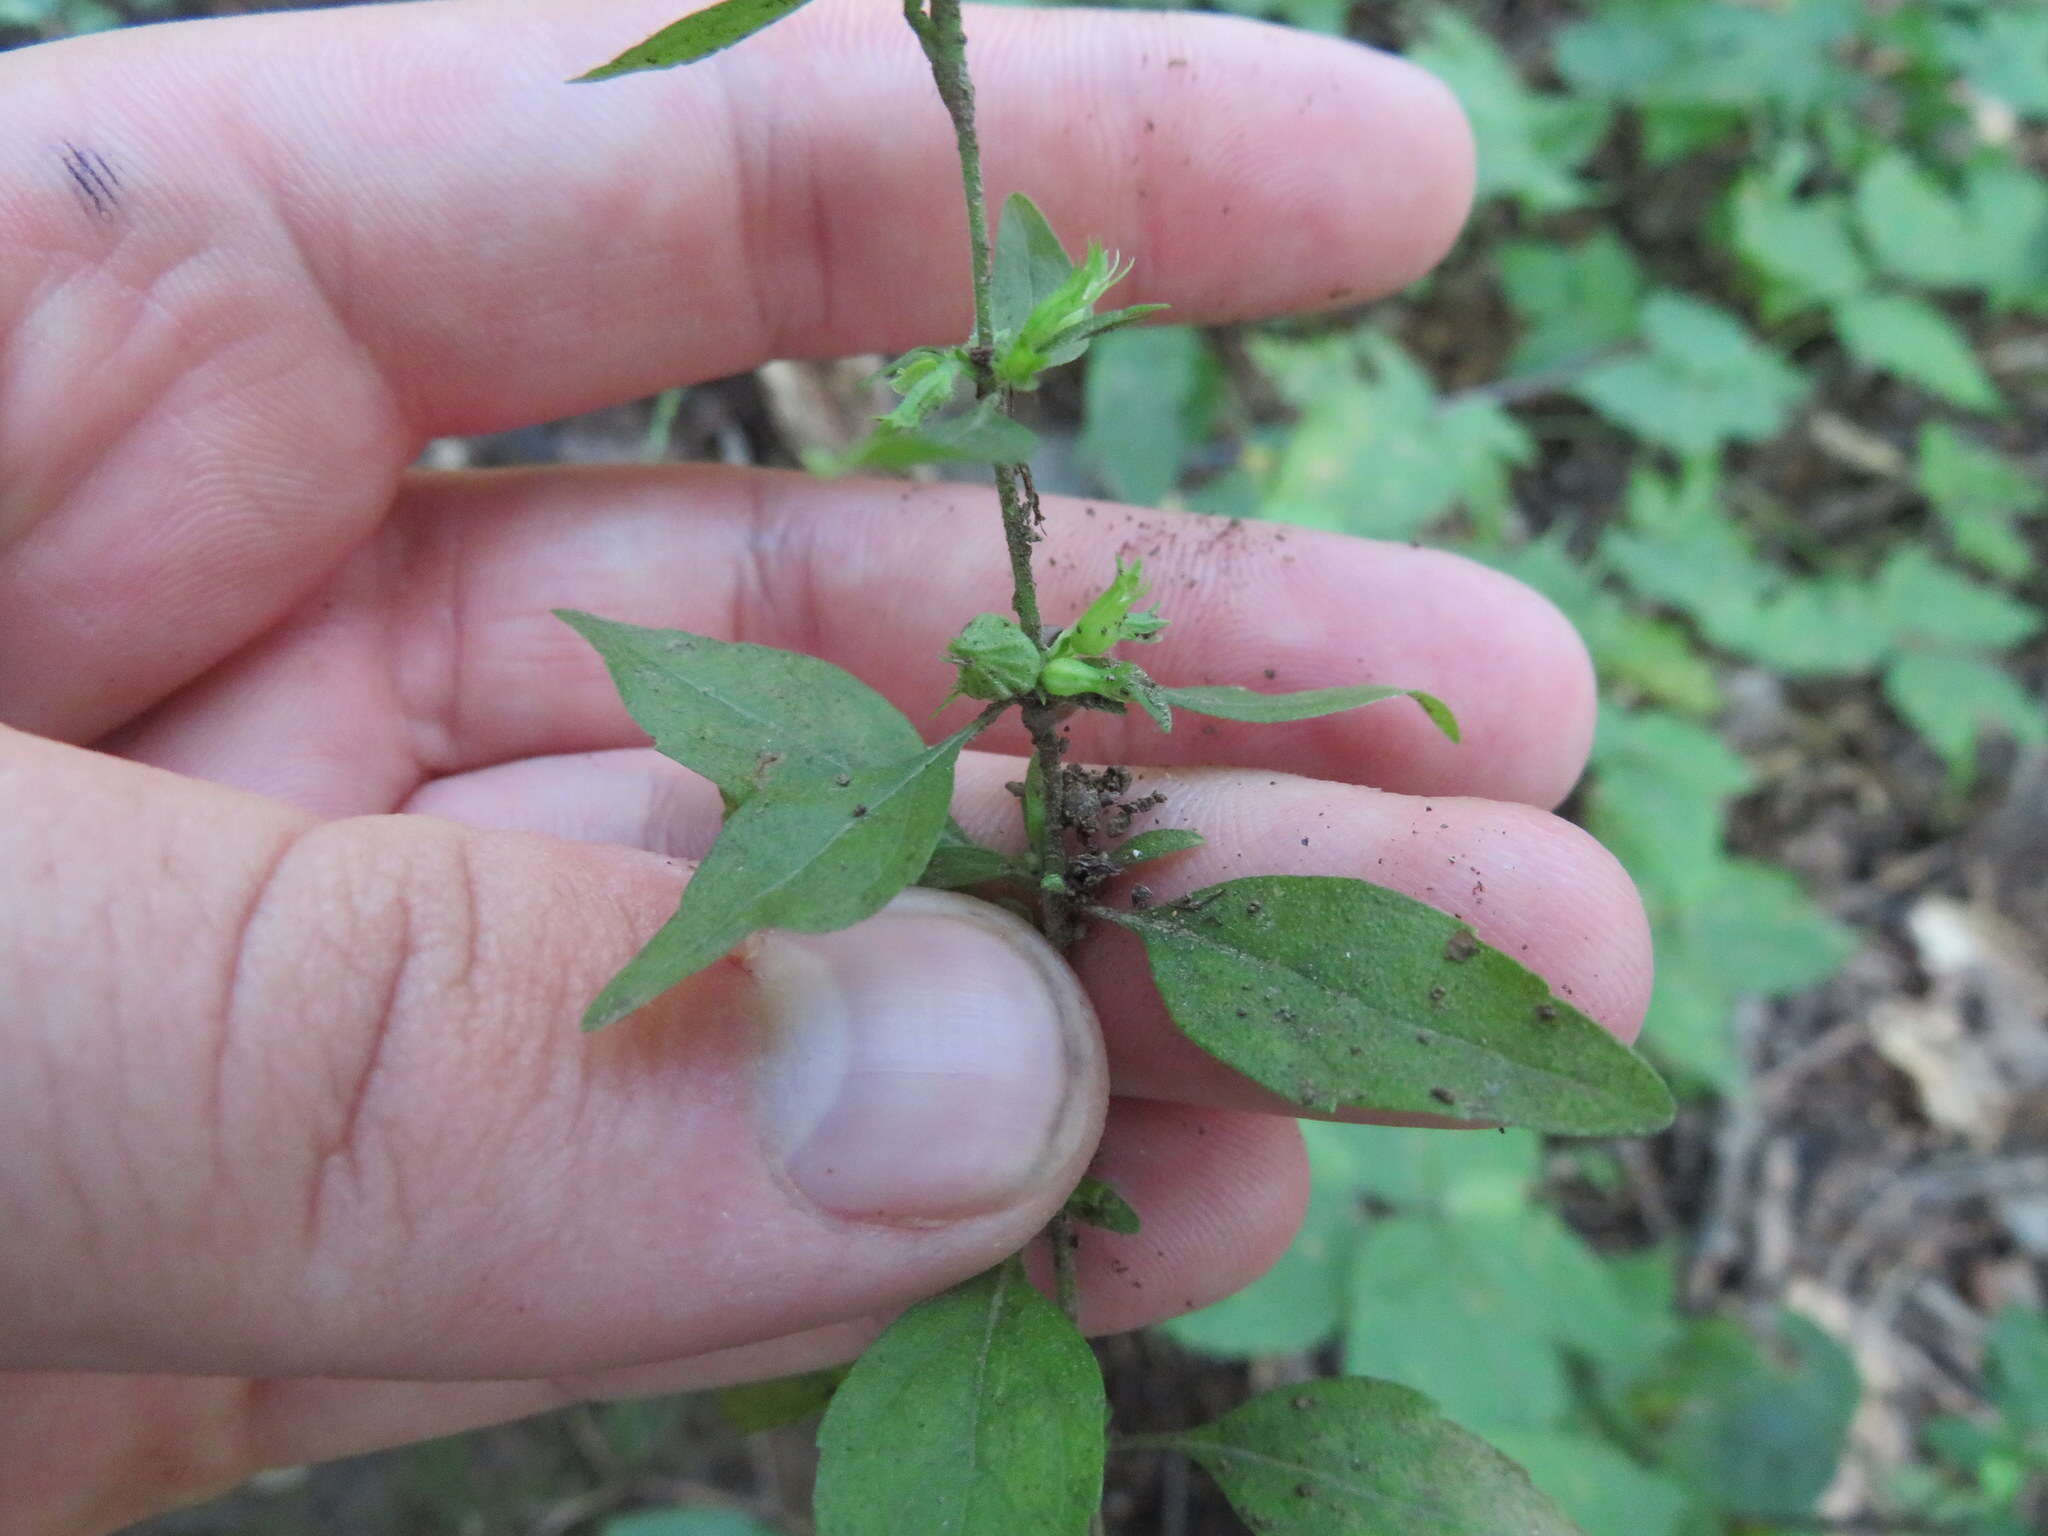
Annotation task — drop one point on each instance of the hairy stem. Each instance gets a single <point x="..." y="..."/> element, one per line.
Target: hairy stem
<point x="944" y="40"/>
<point x="940" y="33"/>
<point x="945" y="48"/>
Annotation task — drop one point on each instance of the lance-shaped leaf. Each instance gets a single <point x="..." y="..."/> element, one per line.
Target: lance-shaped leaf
<point x="982" y="435"/>
<point x="697" y="36"/>
<point x="1030" y="264"/>
<point x="1343" y="995"/>
<point x="740" y="714"/>
<point x="958" y="862"/>
<point x="810" y="854"/>
<point x="1101" y="1206"/>
<point x="978" y="1413"/>
<point x="1156" y="844"/>
<point x="1234" y="703"/>
<point x="1360" y="1457"/>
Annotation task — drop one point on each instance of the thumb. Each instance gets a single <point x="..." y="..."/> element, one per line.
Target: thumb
<point x="293" y="1097"/>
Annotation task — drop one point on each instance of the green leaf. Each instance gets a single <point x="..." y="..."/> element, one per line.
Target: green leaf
<point x="1140" y="688"/>
<point x="1427" y="1172"/>
<point x="1914" y="228"/>
<point x="1528" y="144"/>
<point x="1363" y="1458"/>
<point x="2008" y="208"/>
<point x="1155" y="844"/>
<point x="1927" y="601"/>
<point x="1920" y="344"/>
<point x="1751" y="1431"/>
<point x="1100" y="1206"/>
<point x="980" y="435"/>
<point x="927" y="378"/>
<point x="1633" y="651"/>
<point x="1828" y="627"/>
<point x="814" y="855"/>
<point x="1338" y="994"/>
<point x="1080" y="335"/>
<point x="754" y="1406"/>
<point x="957" y="863"/>
<point x="2004" y="55"/>
<point x="1231" y="702"/>
<point x="1679" y="54"/>
<point x="1801" y="243"/>
<point x="978" y="1413"/>
<point x="1147" y="403"/>
<point x="1755" y="926"/>
<point x="685" y="1522"/>
<point x="2017" y="1367"/>
<point x="1606" y="1492"/>
<point x="1954" y="701"/>
<point x="1659" y="790"/>
<point x="740" y="714"/>
<point x="1981" y="495"/>
<point x="1574" y="300"/>
<point x="636" y="1428"/>
<point x="1704" y="381"/>
<point x="1476" y="1310"/>
<point x="1383" y="457"/>
<point x="697" y="36"/>
<point x="1030" y="264"/>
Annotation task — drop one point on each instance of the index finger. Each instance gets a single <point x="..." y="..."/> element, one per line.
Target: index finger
<point x="505" y="248"/>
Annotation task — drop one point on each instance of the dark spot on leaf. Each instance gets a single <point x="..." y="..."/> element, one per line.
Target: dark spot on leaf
<point x="1252" y="909"/>
<point x="1303" y="1491"/>
<point x="1461" y="946"/>
<point x="1442" y="1095"/>
<point x="844" y="779"/>
<point x="859" y="811"/>
<point x="1546" y="1012"/>
<point x="1271" y="674"/>
<point x="1438" y="993"/>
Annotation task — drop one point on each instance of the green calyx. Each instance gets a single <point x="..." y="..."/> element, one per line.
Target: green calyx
<point x="996" y="659"/>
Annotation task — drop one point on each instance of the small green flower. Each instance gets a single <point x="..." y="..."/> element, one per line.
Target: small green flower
<point x="1109" y="620"/>
<point x="1068" y="677"/>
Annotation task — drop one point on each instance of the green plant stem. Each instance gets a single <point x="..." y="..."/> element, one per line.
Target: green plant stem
<point x="940" y="33"/>
<point x="945" y="48"/>
<point x="1066" y="1277"/>
<point x="944" y="40"/>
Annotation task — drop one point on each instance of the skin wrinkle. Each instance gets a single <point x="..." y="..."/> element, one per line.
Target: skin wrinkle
<point x="339" y="1164"/>
<point x="229" y="1009"/>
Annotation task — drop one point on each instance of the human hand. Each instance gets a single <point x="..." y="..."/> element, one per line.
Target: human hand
<point x="300" y="1151"/>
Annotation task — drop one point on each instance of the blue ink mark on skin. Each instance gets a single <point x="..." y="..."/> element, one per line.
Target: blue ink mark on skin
<point x="95" y="180"/>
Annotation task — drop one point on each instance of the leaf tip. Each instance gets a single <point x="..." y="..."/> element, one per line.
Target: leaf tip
<point x="1439" y="713"/>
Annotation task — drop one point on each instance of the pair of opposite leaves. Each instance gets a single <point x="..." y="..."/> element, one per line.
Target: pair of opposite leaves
<point x="1335" y="993"/>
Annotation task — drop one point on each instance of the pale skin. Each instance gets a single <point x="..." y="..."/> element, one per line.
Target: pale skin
<point x="300" y="1150"/>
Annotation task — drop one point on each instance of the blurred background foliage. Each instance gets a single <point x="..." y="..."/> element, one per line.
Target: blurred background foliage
<point x="1744" y="363"/>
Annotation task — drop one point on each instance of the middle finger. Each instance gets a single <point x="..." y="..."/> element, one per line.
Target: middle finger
<point x="435" y="652"/>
